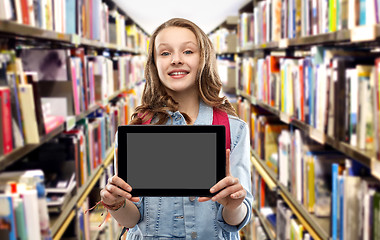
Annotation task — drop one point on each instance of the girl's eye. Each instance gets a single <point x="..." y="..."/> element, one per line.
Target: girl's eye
<point x="188" y="52"/>
<point x="165" y="54"/>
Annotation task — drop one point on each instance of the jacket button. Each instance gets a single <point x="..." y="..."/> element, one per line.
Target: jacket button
<point x="191" y="199"/>
<point x="194" y="235"/>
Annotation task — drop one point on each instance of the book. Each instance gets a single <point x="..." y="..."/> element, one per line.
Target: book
<point x="376" y="215"/>
<point x="364" y="128"/>
<point x="28" y="114"/>
<point x="323" y="181"/>
<point x="6" y="115"/>
<point x="271" y="144"/>
<point x="351" y="207"/>
<point x="334" y="202"/>
<point x="32" y="79"/>
<point x="7" y="218"/>
<point x="283" y="217"/>
<point x="30" y="200"/>
<point x="17" y="128"/>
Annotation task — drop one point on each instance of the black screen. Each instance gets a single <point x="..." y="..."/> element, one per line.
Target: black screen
<point x="172" y="160"/>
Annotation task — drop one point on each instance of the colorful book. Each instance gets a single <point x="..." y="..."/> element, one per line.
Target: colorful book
<point x="6" y="116"/>
<point x="7" y="218"/>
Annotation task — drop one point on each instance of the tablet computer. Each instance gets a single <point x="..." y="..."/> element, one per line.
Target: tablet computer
<point x="171" y="160"/>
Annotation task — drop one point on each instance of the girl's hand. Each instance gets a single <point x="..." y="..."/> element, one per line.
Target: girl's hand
<point x="231" y="193"/>
<point x="116" y="191"/>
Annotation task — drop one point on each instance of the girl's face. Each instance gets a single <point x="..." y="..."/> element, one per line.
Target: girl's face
<point x="177" y="59"/>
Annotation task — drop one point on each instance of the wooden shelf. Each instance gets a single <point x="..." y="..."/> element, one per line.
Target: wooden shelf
<point x="65" y="224"/>
<point x="269" y="171"/>
<point x="21" y="31"/>
<point x="59" y="225"/>
<point x="19" y="153"/>
<point x="319" y="228"/>
<point x="248" y="7"/>
<point x="271" y="183"/>
<point x="264" y="224"/>
<point x="338" y="37"/>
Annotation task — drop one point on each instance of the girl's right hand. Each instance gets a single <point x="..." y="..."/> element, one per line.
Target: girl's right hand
<point x="117" y="191"/>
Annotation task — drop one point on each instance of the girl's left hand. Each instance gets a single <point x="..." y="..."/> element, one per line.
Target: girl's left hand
<point x="231" y="193"/>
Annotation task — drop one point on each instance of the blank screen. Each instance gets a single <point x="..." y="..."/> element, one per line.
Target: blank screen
<point x="171" y="160"/>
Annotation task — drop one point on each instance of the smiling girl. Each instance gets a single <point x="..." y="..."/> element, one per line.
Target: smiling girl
<point x="183" y="87"/>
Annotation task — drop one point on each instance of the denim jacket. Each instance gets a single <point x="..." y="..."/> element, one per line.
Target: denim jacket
<point x="165" y="218"/>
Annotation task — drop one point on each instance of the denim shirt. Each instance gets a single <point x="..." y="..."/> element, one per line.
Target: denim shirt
<point x="164" y="218"/>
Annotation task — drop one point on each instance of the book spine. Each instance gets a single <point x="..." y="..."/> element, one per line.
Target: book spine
<point x="376" y="216"/>
<point x="334" y="199"/>
<point x="6" y="120"/>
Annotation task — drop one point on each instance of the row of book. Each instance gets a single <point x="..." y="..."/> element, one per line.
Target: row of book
<point x="95" y="224"/>
<point x="23" y="204"/>
<point x="246" y="30"/>
<point x="325" y="182"/>
<point x="41" y="88"/>
<point x="91" y="19"/>
<point x="273" y="20"/>
<point x="275" y="216"/>
<point x="330" y="185"/>
<point x="76" y="153"/>
<point x="224" y="40"/>
<point x="334" y="91"/>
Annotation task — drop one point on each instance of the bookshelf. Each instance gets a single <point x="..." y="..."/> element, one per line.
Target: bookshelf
<point x="254" y="95"/>
<point x="15" y="155"/>
<point x="363" y="156"/>
<point x="264" y="224"/>
<point x="101" y="117"/>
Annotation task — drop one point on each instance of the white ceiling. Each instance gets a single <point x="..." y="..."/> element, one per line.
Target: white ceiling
<point x="207" y="14"/>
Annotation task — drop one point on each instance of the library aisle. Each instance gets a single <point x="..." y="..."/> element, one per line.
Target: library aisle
<point x="304" y="75"/>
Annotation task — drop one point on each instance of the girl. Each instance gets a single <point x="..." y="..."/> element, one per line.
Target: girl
<point x="182" y="87"/>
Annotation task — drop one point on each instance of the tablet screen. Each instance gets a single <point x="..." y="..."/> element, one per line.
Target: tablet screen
<point x="171" y="160"/>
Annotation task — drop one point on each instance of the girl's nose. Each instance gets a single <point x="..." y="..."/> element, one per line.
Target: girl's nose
<point x="176" y="59"/>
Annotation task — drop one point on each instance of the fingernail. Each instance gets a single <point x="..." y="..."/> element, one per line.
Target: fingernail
<point x="212" y="190"/>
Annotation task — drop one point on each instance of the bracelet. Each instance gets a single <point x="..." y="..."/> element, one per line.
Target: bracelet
<point x="114" y="208"/>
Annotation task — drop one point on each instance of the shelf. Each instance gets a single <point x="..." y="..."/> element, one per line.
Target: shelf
<point x="356" y="35"/>
<point x="268" y="171"/>
<point x="65" y="224"/>
<point x="59" y="224"/>
<point x="319" y="228"/>
<point x="264" y="224"/>
<point x="271" y="183"/>
<point x="21" y="30"/>
<point x="17" y="154"/>
<point x="24" y="31"/>
<point x="362" y="156"/>
<point x="247" y="7"/>
<point x="109" y="158"/>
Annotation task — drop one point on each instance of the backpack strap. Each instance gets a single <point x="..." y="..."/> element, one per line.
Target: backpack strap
<point x="221" y="118"/>
<point x="147" y="122"/>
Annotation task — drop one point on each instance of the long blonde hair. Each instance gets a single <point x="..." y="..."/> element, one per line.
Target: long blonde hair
<point x="155" y="100"/>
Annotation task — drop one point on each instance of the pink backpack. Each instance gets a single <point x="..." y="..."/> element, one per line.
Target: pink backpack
<point x="219" y="118"/>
